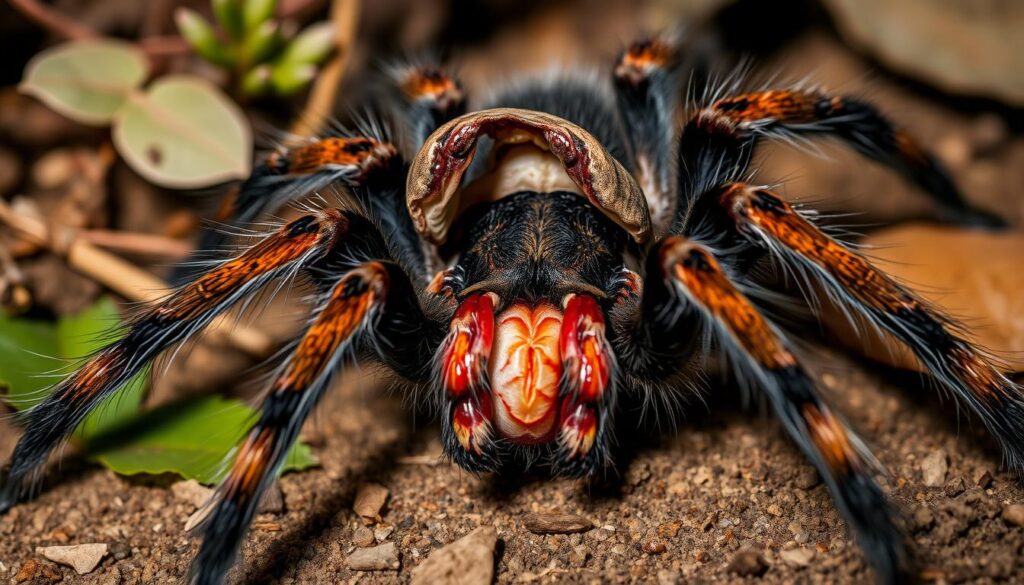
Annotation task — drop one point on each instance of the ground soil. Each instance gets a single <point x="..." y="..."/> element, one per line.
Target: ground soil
<point x="726" y="482"/>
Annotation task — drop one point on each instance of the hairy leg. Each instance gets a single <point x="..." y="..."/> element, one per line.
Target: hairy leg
<point x="686" y="291"/>
<point x="764" y="220"/>
<point x="716" y="145"/>
<point x="360" y="311"/>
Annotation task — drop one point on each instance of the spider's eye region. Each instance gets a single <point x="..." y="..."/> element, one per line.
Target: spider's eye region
<point x="306" y="224"/>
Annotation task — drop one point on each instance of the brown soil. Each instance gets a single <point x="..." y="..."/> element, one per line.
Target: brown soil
<point x="725" y="482"/>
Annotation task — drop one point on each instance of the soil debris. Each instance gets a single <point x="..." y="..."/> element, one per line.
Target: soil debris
<point x="1014" y="514"/>
<point x="383" y="557"/>
<point x="370" y="500"/>
<point x="83" y="558"/>
<point x="934" y="467"/>
<point x="192" y="492"/>
<point x="747" y="563"/>
<point x="557" y="523"/>
<point x="467" y="561"/>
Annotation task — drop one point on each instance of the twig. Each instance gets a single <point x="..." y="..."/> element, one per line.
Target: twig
<point x="138" y="244"/>
<point x="53" y="20"/>
<point x="127" y="279"/>
<point x="345" y="17"/>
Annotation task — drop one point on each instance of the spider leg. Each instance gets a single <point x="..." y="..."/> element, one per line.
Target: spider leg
<point x="310" y="242"/>
<point x="764" y="220"/>
<point x="430" y="97"/>
<point x="646" y="78"/>
<point x="371" y="307"/>
<point x="686" y="287"/>
<point x="717" y="143"/>
<point x="367" y="164"/>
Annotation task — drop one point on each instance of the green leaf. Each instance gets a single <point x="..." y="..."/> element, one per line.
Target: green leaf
<point x="201" y="37"/>
<point x="256" y="12"/>
<point x="29" y="349"/>
<point x="261" y="42"/>
<point x="289" y="78"/>
<point x="192" y="439"/>
<point x="257" y="81"/>
<point x="184" y="133"/>
<point x="312" y="45"/>
<point x="229" y="15"/>
<point x="87" y="80"/>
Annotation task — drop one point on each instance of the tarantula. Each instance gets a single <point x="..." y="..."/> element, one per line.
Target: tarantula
<point x="526" y="264"/>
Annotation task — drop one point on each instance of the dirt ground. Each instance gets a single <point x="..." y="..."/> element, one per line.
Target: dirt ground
<point x="727" y="482"/>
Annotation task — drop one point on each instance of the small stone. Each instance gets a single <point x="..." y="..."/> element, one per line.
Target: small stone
<point x="955" y="487"/>
<point x="922" y="520"/>
<point x="83" y="558"/>
<point x="775" y="510"/>
<point x="983" y="479"/>
<point x="111" y="577"/>
<point x="363" y="537"/>
<point x="579" y="556"/>
<point x="370" y="499"/>
<point x="556" y="523"/>
<point x="467" y="561"/>
<point x="33" y="570"/>
<point x="120" y="550"/>
<point x="747" y="563"/>
<point x="807" y="478"/>
<point x="1014" y="514"/>
<point x="797" y="557"/>
<point x="934" y="467"/>
<point x="383" y="532"/>
<point x="272" y="501"/>
<point x="669" y="529"/>
<point x="383" y="557"/>
<point x="654" y="547"/>
<point x="191" y="492"/>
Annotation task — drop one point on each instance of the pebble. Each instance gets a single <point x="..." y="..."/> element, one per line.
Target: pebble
<point x="467" y="561"/>
<point x="383" y="532"/>
<point x="654" y="547"/>
<point x="669" y="529"/>
<point x="370" y="499"/>
<point x="120" y="550"/>
<point x="362" y="537"/>
<point x="557" y="523"/>
<point x="83" y="558"/>
<point x="33" y="570"/>
<point x="747" y="563"/>
<point x="983" y="479"/>
<point x="797" y="557"/>
<point x="955" y="487"/>
<point x="192" y="492"/>
<point x="1014" y="514"/>
<point x="934" y="467"/>
<point x="807" y="478"/>
<point x="383" y="557"/>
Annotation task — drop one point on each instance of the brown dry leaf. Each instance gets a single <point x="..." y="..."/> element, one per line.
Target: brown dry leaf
<point x="975" y="276"/>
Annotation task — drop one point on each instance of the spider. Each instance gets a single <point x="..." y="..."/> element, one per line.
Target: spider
<point x="527" y="263"/>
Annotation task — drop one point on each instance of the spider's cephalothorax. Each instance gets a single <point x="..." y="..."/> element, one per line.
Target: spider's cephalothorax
<point x="527" y="262"/>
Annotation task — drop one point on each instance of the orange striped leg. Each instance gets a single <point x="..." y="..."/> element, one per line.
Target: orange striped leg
<point x="183" y="313"/>
<point x="757" y="348"/>
<point x="353" y="307"/>
<point x="793" y="113"/>
<point x="768" y="221"/>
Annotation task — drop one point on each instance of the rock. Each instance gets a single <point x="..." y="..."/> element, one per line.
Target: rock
<point x="362" y="537"/>
<point x="556" y="523"/>
<point x="960" y="46"/>
<point x="33" y="570"/>
<point x="983" y="479"/>
<point x="272" y="501"/>
<point x="807" y="478"/>
<point x="120" y="550"/>
<point x="1014" y="514"/>
<point x="747" y="563"/>
<point x="467" y="561"/>
<point x="797" y="557"/>
<point x="383" y="557"/>
<point x="669" y="529"/>
<point x="934" y="467"/>
<point x="955" y="487"/>
<point x="370" y="500"/>
<point x="191" y="492"/>
<point x="383" y="532"/>
<point x="83" y="558"/>
<point x="654" y="547"/>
